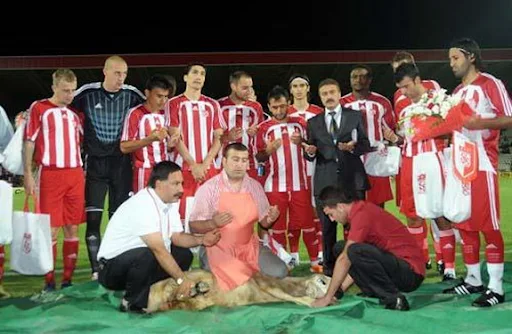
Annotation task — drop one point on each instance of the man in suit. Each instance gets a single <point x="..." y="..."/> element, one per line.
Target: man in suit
<point x="336" y="139"/>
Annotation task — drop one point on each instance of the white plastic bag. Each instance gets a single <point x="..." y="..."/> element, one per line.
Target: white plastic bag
<point x="31" y="247"/>
<point x="383" y="162"/>
<point x="6" y="130"/>
<point x="427" y="182"/>
<point x="457" y="195"/>
<point x="6" y="196"/>
<point x="13" y="153"/>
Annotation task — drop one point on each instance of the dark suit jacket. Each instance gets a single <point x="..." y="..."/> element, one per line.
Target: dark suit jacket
<point x="333" y="166"/>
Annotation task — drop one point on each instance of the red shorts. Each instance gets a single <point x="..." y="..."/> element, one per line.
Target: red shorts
<point x="407" y="206"/>
<point x="62" y="195"/>
<point x="294" y="207"/>
<point x="140" y="178"/>
<point x="485" y="204"/>
<point x="380" y="191"/>
<point x="190" y="187"/>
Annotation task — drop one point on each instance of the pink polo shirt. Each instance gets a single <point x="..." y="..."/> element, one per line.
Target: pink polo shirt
<point x="207" y="196"/>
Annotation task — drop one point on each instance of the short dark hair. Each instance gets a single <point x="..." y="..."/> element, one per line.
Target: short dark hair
<point x="235" y="147"/>
<point x="406" y="70"/>
<point x="330" y="196"/>
<point x="363" y="67"/>
<point x="190" y="65"/>
<point x="161" y="172"/>
<point x="278" y="92"/>
<point x="162" y="81"/>
<point x="329" y="81"/>
<point x="469" y="47"/>
<point x="237" y="75"/>
<point x="401" y="56"/>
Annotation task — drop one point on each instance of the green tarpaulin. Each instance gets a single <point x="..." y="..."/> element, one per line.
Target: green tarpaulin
<point x="90" y="308"/>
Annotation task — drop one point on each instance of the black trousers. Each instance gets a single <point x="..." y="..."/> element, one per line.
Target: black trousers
<point x="329" y="238"/>
<point x="380" y="274"/>
<point x="136" y="270"/>
<point x="112" y="174"/>
<point x="329" y="234"/>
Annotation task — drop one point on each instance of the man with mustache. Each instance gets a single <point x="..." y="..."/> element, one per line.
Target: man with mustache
<point x="492" y="107"/>
<point x="336" y="140"/>
<point x="136" y="249"/>
<point x="233" y="203"/>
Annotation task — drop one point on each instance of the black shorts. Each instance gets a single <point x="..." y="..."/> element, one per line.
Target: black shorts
<point x="112" y="174"/>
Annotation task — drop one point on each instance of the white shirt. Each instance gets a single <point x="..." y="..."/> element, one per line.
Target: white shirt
<point x="142" y="214"/>
<point x="337" y="117"/>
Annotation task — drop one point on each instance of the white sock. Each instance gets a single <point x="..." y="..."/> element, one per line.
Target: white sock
<point x="450" y="271"/>
<point x="296" y="257"/>
<point x="495" y="271"/>
<point x="320" y="255"/>
<point x="473" y="276"/>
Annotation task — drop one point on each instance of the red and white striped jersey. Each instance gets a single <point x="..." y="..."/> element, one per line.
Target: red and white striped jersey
<point x="197" y="121"/>
<point x="139" y="124"/>
<point x="57" y="133"/>
<point x="311" y="111"/>
<point x="287" y="166"/>
<point x="400" y="101"/>
<point x="489" y="98"/>
<point x="410" y="149"/>
<point x="241" y="116"/>
<point x="377" y="114"/>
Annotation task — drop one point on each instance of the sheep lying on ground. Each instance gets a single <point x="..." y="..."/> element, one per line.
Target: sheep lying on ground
<point x="259" y="289"/>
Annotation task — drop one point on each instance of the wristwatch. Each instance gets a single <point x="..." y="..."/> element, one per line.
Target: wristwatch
<point x="180" y="280"/>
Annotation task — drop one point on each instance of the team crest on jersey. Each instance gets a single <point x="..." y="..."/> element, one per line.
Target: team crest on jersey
<point x="27" y="242"/>
<point x="422" y="183"/>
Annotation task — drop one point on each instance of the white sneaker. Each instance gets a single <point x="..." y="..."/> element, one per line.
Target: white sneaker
<point x="295" y="256"/>
<point x="94" y="276"/>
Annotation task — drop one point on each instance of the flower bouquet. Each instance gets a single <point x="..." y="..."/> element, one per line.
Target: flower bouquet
<point x="436" y="114"/>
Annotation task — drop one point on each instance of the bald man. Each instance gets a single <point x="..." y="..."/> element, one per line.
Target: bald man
<point x="103" y="106"/>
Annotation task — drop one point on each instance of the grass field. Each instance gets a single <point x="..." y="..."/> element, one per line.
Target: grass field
<point x="19" y="286"/>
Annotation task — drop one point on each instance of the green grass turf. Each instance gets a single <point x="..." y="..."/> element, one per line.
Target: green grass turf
<point x="19" y="286"/>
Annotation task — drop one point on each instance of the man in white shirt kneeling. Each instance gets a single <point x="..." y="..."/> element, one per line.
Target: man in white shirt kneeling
<point x="136" y="249"/>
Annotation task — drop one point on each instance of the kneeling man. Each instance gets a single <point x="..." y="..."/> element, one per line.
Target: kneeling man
<point x="233" y="202"/>
<point x="380" y="255"/>
<point x="136" y="250"/>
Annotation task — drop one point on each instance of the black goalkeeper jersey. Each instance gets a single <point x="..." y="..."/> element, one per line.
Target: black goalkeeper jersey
<point x="104" y="113"/>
